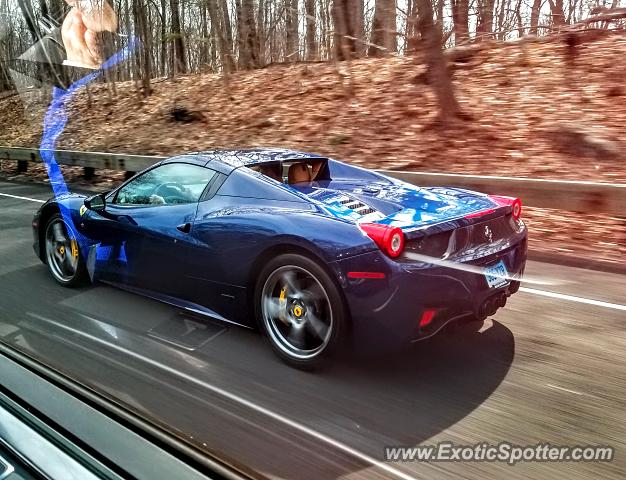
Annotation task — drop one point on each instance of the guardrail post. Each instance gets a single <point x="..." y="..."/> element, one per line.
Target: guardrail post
<point x="22" y="166"/>
<point x="89" y="173"/>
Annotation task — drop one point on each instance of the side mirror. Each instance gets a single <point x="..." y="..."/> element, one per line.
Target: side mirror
<point x="96" y="203"/>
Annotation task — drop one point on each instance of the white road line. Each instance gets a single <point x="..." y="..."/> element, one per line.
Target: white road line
<point x="22" y="198"/>
<point x="564" y="389"/>
<point x="240" y="400"/>
<point x="573" y="298"/>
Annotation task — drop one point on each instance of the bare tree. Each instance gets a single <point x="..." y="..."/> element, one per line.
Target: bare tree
<point x="484" y="28"/>
<point x="558" y="16"/>
<point x="438" y="74"/>
<point x="311" y="27"/>
<point x="260" y="28"/>
<point x="291" y="30"/>
<point x="383" y="40"/>
<point x="460" y="17"/>
<point x="224" y="48"/>
<point x="247" y="35"/>
<point x="502" y="11"/>
<point x="349" y="28"/>
<point x="412" y="29"/>
<point x="325" y="45"/>
<point x="179" y="62"/>
<point x="534" y="16"/>
<point x="144" y="61"/>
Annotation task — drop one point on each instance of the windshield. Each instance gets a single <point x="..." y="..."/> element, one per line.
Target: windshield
<point x="422" y="277"/>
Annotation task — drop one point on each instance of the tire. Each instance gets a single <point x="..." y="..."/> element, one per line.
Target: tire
<point x="300" y="309"/>
<point x="62" y="255"/>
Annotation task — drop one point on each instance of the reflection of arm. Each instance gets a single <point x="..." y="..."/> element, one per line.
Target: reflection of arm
<point x="86" y="19"/>
<point x="98" y="15"/>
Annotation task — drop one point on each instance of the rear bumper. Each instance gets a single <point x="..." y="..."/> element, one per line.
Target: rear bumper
<point x="386" y="312"/>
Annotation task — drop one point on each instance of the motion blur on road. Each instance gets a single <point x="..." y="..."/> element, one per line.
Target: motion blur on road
<point x="496" y="88"/>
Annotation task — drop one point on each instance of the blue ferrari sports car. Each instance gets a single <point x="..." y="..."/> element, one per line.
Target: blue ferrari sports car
<point x="316" y="253"/>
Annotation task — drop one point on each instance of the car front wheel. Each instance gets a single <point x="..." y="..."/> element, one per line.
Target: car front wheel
<point x="300" y="310"/>
<point x="62" y="253"/>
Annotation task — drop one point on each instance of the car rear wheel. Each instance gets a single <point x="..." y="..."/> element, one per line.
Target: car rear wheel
<point x="300" y="310"/>
<point x="62" y="253"/>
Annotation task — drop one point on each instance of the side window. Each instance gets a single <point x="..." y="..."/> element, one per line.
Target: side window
<point x="169" y="184"/>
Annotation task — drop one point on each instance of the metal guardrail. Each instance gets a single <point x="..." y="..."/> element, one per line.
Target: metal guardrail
<point x="577" y="196"/>
<point x="564" y="195"/>
<point x="95" y="160"/>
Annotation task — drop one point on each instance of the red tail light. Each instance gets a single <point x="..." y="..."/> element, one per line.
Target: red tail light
<point x="370" y="275"/>
<point x="389" y="239"/>
<point x="515" y="203"/>
<point x="427" y="317"/>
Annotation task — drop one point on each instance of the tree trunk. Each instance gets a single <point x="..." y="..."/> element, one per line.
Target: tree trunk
<point x="438" y="74"/>
<point x="144" y="62"/>
<point x="412" y="29"/>
<point x="556" y="8"/>
<point x="460" y="17"/>
<point x="163" y="49"/>
<point x="179" y="61"/>
<point x="204" y="56"/>
<point x="534" y="16"/>
<point x="383" y="29"/>
<point x="326" y="44"/>
<point x="311" y="44"/>
<point x="227" y="30"/>
<point x="291" y="30"/>
<point x="349" y="28"/>
<point x="247" y="36"/>
<point x="260" y="29"/>
<point x="218" y="33"/>
<point x="520" y="20"/>
<point x="504" y="5"/>
<point x="484" y="28"/>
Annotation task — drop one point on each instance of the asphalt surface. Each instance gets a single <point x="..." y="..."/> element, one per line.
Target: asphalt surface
<point x="550" y="367"/>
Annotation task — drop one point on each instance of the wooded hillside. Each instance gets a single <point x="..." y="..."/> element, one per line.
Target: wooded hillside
<point x="531" y="110"/>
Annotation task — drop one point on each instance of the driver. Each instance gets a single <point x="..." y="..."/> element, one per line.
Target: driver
<point x="156" y="200"/>
<point x="171" y="193"/>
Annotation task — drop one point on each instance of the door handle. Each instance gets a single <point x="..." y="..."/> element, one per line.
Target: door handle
<point x="184" y="227"/>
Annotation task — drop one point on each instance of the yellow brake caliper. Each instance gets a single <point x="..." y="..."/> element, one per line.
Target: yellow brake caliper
<point x="282" y="301"/>
<point x="74" y="246"/>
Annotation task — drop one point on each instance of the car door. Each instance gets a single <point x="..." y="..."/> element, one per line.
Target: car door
<point x="146" y="228"/>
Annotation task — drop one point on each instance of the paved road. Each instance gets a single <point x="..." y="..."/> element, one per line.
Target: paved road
<point x="545" y="369"/>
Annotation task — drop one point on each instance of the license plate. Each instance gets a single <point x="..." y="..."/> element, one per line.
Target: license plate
<point x="496" y="275"/>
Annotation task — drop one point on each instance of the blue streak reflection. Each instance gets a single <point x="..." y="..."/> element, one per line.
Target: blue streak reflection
<point x="54" y="123"/>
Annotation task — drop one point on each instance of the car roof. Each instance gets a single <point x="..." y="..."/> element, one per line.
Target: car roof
<point x="243" y="157"/>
